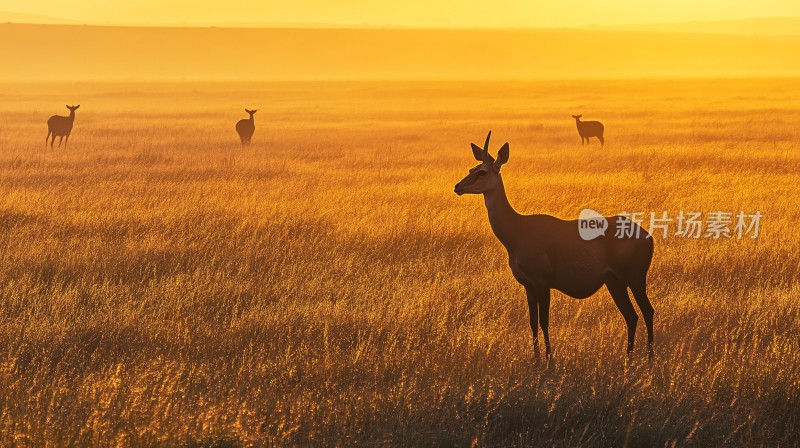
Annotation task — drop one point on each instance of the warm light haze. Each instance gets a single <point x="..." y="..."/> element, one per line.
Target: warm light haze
<point x="364" y="40"/>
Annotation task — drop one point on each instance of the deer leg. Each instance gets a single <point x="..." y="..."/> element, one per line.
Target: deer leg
<point x="60" y="139"/>
<point x="602" y="140"/>
<point x="544" y="320"/>
<point x="46" y="139"/>
<point x="619" y="292"/>
<point x="52" y="140"/>
<point x="639" y="290"/>
<point x="533" y="312"/>
<point x="66" y="141"/>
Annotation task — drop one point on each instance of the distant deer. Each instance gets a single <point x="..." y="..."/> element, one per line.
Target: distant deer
<point x="245" y="127"/>
<point x="60" y="126"/>
<point x="588" y="129"/>
<point x="547" y="253"/>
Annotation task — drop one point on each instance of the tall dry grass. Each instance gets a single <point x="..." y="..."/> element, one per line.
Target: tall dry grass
<point x="159" y="285"/>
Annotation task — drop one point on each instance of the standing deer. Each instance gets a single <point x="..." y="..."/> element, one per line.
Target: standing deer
<point x="547" y="253"/>
<point x="588" y="129"/>
<point x="60" y="126"/>
<point x="245" y="127"/>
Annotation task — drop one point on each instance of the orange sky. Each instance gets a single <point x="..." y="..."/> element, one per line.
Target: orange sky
<point x="414" y="13"/>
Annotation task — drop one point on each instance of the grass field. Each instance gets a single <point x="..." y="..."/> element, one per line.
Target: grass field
<point x="161" y="285"/>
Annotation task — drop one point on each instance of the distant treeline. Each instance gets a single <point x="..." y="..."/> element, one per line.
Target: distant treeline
<point x="94" y="53"/>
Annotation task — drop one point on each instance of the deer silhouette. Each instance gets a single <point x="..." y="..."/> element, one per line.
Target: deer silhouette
<point x="60" y="126"/>
<point x="547" y="253"/>
<point x="588" y="129"/>
<point x="245" y="127"/>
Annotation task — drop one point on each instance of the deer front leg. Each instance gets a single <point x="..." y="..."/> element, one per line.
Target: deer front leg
<point x="544" y="320"/>
<point x="533" y="314"/>
<point x="539" y="311"/>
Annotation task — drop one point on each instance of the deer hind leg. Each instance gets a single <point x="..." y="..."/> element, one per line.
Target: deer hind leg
<point x="66" y="141"/>
<point x="639" y="290"/>
<point x="47" y="138"/>
<point x="619" y="292"/>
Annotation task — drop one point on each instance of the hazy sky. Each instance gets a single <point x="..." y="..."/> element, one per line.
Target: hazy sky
<point x="422" y="13"/>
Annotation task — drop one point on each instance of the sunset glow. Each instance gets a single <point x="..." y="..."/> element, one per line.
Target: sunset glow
<point x="410" y="13"/>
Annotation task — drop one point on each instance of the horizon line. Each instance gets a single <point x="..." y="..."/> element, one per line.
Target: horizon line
<point x="785" y="77"/>
<point x="58" y="21"/>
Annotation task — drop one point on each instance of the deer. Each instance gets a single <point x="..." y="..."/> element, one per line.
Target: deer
<point x="60" y="126"/>
<point x="545" y="253"/>
<point x="588" y="129"/>
<point x="245" y="127"/>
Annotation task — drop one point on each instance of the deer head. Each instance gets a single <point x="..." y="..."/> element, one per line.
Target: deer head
<point x="486" y="175"/>
<point x="577" y="117"/>
<point x="251" y="112"/>
<point x="73" y="108"/>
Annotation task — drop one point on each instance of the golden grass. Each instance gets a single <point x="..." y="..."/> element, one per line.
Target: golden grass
<point x="162" y="286"/>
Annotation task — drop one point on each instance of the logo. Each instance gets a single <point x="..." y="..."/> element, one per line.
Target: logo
<point x="718" y="225"/>
<point x="591" y="224"/>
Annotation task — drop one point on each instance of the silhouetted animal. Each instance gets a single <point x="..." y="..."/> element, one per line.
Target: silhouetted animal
<point x="60" y="126"/>
<point x="245" y="127"/>
<point x="545" y="252"/>
<point x="588" y="129"/>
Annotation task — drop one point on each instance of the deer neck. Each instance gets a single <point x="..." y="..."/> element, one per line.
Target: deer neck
<point x="72" y="115"/>
<point x="502" y="217"/>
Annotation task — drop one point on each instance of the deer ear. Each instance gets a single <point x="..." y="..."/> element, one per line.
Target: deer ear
<point x="502" y="156"/>
<point x="477" y="152"/>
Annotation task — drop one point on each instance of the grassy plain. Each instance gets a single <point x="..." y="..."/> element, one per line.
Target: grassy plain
<point x="160" y="285"/>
